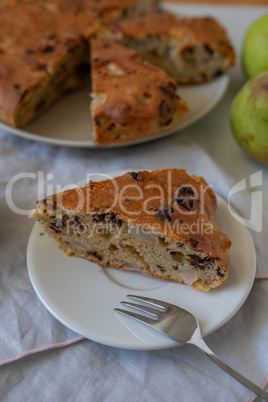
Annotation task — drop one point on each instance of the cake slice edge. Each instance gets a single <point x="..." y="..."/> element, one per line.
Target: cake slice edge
<point x="108" y="239"/>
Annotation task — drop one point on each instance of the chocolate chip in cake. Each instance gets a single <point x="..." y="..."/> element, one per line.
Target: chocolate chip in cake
<point x="190" y="49"/>
<point x="97" y="123"/>
<point x="48" y="49"/>
<point x="40" y="105"/>
<point x="162" y="269"/>
<point x="24" y="94"/>
<point x="49" y="204"/>
<point x="166" y="123"/>
<point x="166" y="91"/>
<point x="111" y="127"/>
<point x="185" y="197"/>
<point x="220" y="273"/>
<point x="113" y="219"/>
<point x="54" y="228"/>
<point x="99" y="217"/>
<point x="77" y="223"/>
<point x="218" y="73"/>
<point x="95" y="254"/>
<point x="164" y="108"/>
<point x="136" y="175"/>
<point x="208" y="49"/>
<point x="16" y="86"/>
<point x="165" y="213"/>
<point x="199" y="262"/>
<point x="194" y="243"/>
<point x="186" y="190"/>
<point x="105" y="217"/>
<point x="185" y="203"/>
<point x="57" y="225"/>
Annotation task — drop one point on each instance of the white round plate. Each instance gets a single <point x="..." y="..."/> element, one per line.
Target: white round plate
<point x="69" y="123"/>
<point x="82" y="295"/>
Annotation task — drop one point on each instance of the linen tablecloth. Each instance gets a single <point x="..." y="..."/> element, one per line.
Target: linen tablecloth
<point x="40" y="359"/>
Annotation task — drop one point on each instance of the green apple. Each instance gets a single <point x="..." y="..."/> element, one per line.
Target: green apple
<point x="249" y="117"/>
<point x="255" y="47"/>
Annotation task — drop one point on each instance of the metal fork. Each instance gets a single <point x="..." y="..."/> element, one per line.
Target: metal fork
<point x="181" y="326"/>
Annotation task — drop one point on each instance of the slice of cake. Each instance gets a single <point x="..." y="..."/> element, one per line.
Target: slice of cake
<point x="191" y="50"/>
<point x="131" y="98"/>
<point x="44" y="45"/>
<point x="159" y="223"/>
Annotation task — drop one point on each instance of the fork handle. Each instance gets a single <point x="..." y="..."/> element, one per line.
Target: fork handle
<point x="200" y="343"/>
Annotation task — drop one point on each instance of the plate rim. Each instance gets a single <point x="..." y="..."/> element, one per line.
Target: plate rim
<point x="106" y="341"/>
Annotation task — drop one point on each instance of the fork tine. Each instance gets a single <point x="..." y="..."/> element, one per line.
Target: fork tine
<point x="138" y="317"/>
<point x="153" y="302"/>
<point x="140" y="307"/>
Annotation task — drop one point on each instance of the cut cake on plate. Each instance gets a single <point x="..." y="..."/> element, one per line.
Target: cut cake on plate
<point x="132" y="99"/>
<point x="190" y="49"/>
<point x="44" y="52"/>
<point x="159" y="223"/>
<point x="44" y="44"/>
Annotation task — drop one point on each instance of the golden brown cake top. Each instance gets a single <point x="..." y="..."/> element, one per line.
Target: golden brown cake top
<point x="168" y="201"/>
<point x="186" y="30"/>
<point x="130" y="86"/>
